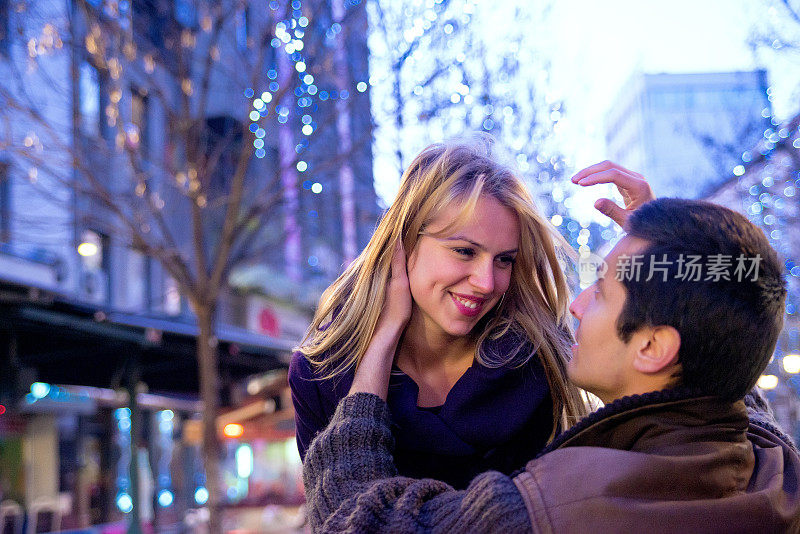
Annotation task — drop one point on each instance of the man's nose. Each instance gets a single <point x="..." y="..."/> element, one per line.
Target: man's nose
<point x="579" y="304"/>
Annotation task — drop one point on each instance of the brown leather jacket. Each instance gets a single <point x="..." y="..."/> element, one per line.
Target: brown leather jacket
<point x="675" y="465"/>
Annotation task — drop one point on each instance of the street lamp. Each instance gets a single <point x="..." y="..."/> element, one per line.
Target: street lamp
<point x="791" y="363"/>
<point x="767" y="382"/>
<point x="233" y="430"/>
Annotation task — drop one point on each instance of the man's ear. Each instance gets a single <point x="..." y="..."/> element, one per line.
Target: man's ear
<point x="658" y="349"/>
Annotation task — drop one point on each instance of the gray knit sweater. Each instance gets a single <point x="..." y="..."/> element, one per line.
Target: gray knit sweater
<point x="352" y="484"/>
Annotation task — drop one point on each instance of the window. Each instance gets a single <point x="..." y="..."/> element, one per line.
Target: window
<point x="223" y="139"/>
<point x="91" y="250"/>
<point x="5" y="204"/>
<point x="5" y="27"/>
<point x="243" y="27"/>
<point x="95" y="282"/>
<point x="186" y="13"/>
<point x="172" y="297"/>
<point x="140" y="110"/>
<point x="89" y="100"/>
<point x="135" y="281"/>
<point x="149" y="21"/>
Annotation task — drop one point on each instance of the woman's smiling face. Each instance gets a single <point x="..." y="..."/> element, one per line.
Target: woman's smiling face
<point x="457" y="278"/>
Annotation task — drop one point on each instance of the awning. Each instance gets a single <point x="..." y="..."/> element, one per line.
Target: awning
<point x="45" y="338"/>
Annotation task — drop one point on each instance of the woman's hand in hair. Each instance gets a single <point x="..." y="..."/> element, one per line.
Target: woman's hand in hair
<point x="397" y="303"/>
<point x="631" y="185"/>
<point x="372" y="374"/>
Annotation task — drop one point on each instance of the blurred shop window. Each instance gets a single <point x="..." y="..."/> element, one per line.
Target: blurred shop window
<point x="12" y="517"/>
<point x="44" y="515"/>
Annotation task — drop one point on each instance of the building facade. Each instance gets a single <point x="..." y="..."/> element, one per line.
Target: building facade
<point x="686" y="131"/>
<point x="94" y="326"/>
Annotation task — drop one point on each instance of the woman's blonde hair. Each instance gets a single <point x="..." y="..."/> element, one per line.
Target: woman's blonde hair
<point x="534" y="311"/>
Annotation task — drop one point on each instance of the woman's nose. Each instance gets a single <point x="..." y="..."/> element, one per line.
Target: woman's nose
<point x="482" y="277"/>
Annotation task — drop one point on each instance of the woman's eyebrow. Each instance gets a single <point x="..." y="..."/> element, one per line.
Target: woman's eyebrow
<point x="459" y="237"/>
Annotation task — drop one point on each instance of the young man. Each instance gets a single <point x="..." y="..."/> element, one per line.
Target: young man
<point x="672" y="338"/>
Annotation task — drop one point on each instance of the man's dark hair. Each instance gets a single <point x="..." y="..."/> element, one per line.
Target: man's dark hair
<point x="728" y="328"/>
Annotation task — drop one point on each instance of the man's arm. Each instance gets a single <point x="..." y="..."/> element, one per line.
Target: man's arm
<point x="351" y="484"/>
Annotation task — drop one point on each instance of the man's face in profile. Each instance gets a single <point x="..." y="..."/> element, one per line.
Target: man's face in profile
<point x="601" y="362"/>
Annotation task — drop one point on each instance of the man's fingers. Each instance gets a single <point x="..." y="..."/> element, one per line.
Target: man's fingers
<point x="603" y="166"/>
<point x="613" y="176"/>
<point x="608" y="208"/>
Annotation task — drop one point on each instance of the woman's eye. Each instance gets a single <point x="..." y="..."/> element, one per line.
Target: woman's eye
<point x="467" y="252"/>
<point x="507" y="260"/>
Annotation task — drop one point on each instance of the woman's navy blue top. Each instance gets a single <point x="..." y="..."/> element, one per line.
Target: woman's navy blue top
<point x="493" y="418"/>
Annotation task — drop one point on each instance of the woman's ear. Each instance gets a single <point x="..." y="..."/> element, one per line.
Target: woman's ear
<point x="658" y="349"/>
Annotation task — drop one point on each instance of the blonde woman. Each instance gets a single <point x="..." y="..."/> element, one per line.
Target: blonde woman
<point x="479" y="376"/>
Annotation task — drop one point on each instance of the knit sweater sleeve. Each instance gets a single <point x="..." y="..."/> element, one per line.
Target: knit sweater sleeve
<point x="352" y="485"/>
<point x="760" y="413"/>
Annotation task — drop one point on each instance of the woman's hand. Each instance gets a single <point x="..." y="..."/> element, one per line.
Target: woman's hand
<point x="397" y="303"/>
<point x="372" y="374"/>
<point x="631" y="185"/>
